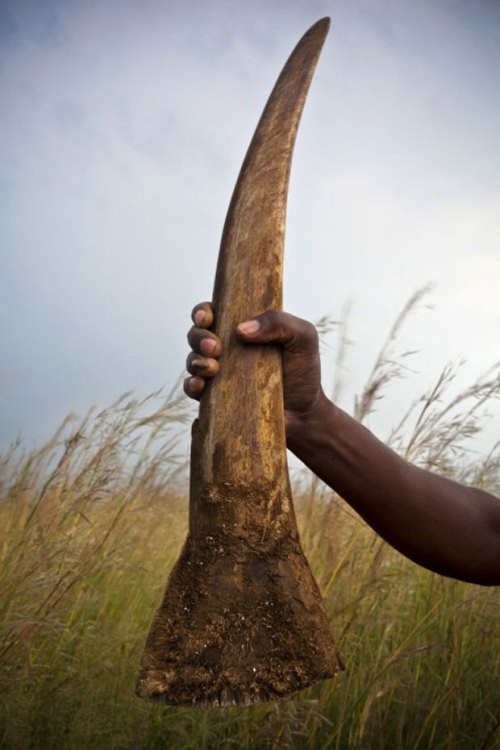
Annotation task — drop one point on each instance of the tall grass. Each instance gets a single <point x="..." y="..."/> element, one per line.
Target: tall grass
<point x="91" y="523"/>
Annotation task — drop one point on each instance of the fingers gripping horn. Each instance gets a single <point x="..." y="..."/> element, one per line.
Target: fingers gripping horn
<point x="242" y="619"/>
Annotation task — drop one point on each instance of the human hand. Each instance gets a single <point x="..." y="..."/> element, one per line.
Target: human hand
<point x="300" y="353"/>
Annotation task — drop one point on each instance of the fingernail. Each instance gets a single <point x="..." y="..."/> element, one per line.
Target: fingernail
<point x="249" y="326"/>
<point x="207" y="346"/>
<point x="198" y="363"/>
<point x="199" y="317"/>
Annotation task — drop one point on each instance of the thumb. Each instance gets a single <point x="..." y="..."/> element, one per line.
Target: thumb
<point x="264" y="329"/>
<point x="249" y="329"/>
<point x="280" y="327"/>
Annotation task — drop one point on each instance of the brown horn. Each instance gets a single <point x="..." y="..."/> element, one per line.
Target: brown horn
<point x="242" y="619"/>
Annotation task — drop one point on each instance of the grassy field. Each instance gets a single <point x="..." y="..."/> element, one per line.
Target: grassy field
<point x="89" y="527"/>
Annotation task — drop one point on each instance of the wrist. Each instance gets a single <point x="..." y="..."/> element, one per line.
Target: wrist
<point x="304" y="428"/>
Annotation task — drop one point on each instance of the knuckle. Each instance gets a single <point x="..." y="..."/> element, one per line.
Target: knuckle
<point x="306" y="334"/>
<point x="193" y="388"/>
<point x="189" y="363"/>
<point x="195" y="336"/>
<point x="187" y="387"/>
<point x="191" y="335"/>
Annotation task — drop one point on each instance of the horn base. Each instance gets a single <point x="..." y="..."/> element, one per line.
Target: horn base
<point x="237" y="626"/>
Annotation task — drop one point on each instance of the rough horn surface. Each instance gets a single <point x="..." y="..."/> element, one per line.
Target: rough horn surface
<point x="242" y="619"/>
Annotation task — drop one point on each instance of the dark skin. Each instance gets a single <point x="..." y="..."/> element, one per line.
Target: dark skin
<point x="444" y="526"/>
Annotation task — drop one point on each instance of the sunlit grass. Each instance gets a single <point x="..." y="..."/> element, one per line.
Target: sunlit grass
<point x="89" y="527"/>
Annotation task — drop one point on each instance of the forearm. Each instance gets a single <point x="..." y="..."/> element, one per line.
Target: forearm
<point x="444" y="526"/>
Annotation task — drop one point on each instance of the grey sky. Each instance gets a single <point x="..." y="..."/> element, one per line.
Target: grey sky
<point x="123" y="128"/>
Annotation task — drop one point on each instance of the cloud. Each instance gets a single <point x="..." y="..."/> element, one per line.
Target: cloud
<point x="125" y="129"/>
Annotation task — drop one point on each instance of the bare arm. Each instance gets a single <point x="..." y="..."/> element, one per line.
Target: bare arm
<point x="444" y="526"/>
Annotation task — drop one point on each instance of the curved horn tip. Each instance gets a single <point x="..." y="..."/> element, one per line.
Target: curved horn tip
<point x="319" y="29"/>
<point x="323" y="23"/>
